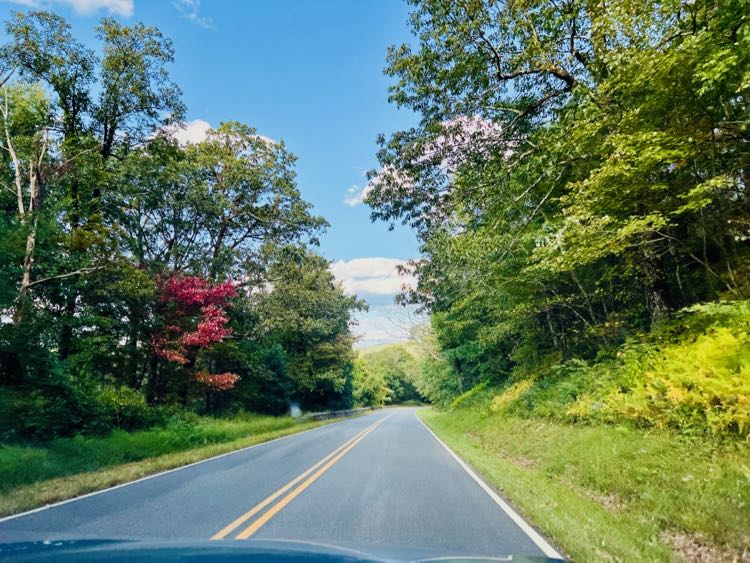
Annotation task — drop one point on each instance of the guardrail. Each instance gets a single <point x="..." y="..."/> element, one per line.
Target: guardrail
<point x="334" y="414"/>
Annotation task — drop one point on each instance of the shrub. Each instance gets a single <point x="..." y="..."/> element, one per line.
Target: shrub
<point x="62" y="408"/>
<point x="45" y="412"/>
<point x="125" y="408"/>
<point x="692" y="375"/>
<point x="693" y="387"/>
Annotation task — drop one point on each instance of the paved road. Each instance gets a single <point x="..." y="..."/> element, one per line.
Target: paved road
<point x="380" y="482"/>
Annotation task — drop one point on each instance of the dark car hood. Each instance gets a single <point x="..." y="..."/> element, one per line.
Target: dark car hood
<point x="254" y="550"/>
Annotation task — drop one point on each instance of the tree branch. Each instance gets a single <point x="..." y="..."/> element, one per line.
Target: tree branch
<point x="67" y="275"/>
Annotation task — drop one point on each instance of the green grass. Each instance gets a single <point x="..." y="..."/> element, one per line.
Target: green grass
<point x="605" y="492"/>
<point x="32" y="476"/>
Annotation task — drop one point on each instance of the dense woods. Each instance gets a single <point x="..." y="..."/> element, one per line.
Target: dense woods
<point x="388" y="374"/>
<point x="140" y="276"/>
<point x="577" y="181"/>
<point x="579" y="184"/>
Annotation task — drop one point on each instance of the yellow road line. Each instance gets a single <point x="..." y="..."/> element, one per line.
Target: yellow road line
<point x="255" y="526"/>
<point x="224" y="532"/>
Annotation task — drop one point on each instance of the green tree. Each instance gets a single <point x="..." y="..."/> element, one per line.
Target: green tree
<point x="104" y="210"/>
<point x="578" y="172"/>
<point x="306" y="312"/>
<point x="370" y="389"/>
<point x="398" y="366"/>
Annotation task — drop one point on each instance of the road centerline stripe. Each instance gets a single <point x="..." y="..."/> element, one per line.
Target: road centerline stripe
<point x="224" y="532"/>
<point x="255" y="526"/>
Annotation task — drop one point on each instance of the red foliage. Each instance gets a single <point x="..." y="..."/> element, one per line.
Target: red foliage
<point x="219" y="381"/>
<point x="195" y="291"/>
<point x="195" y="317"/>
<point x="210" y="329"/>
<point x="161" y="348"/>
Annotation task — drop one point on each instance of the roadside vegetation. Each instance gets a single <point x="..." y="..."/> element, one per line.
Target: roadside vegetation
<point x="578" y="182"/>
<point x="581" y="200"/>
<point x="146" y="278"/>
<point x="34" y="475"/>
<point x="635" y="457"/>
<point x="609" y="492"/>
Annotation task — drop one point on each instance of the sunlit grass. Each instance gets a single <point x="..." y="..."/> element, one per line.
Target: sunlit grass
<point x="68" y="467"/>
<point x="608" y="492"/>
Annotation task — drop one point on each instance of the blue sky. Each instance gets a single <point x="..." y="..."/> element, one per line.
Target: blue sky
<point x="305" y="72"/>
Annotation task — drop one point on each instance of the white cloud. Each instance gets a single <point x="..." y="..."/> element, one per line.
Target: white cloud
<point x="196" y="131"/>
<point x="192" y="132"/>
<point x="378" y="280"/>
<point x="85" y="7"/>
<point x="375" y="276"/>
<point x="189" y="10"/>
<point x="356" y="195"/>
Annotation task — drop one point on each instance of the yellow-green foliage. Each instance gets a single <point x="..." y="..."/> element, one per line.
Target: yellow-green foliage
<point x="394" y="368"/>
<point x="689" y="385"/>
<point x="465" y="398"/>
<point x="692" y="375"/>
<point x="510" y="395"/>
<point x="370" y="388"/>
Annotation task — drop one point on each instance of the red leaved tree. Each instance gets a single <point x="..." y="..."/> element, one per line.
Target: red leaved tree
<point x="193" y="312"/>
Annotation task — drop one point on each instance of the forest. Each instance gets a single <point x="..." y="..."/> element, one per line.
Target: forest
<point x="143" y="277"/>
<point x="578" y="181"/>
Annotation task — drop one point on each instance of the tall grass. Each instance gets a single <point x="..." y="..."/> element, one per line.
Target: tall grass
<point x="611" y="493"/>
<point x="23" y="465"/>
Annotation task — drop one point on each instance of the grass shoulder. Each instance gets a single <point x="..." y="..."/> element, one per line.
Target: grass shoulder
<point x="36" y="475"/>
<point x="606" y="492"/>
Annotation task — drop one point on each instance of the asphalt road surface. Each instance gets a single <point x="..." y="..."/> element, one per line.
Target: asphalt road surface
<point x="381" y="483"/>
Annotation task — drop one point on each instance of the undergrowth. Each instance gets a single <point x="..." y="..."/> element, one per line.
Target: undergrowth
<point x="22" y="464"/>
<point x="691" y="375"/>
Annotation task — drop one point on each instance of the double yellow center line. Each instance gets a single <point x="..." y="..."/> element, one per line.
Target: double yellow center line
<point x="298" y="484"/>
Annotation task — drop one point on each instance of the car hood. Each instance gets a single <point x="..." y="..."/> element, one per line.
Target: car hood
<point x="253" y="550"/>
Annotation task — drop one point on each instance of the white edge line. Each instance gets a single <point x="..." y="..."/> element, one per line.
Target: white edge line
<point x="159" y="474"/>
<point x="540" y="542"/>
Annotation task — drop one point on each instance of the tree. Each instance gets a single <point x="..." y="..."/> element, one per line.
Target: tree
<point x="105" y="107"/>
<point x="26" y="142"/>
<point x="139" y="271"/>
<point x="577" y="173"/>
<point x="244" y="187"/>
<point x="307" y="313"/>
<point x="397" y="366"/>
<point x="193" y="318"/>
<point x="370" y="389"/>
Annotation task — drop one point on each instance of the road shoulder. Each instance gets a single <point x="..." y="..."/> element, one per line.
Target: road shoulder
<point x="527" y="528"/>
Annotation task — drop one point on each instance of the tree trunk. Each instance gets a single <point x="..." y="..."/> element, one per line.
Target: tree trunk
<point x="28" y="261"/>
<point x="153" y="391"/>
<point x="66" y="332"/>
